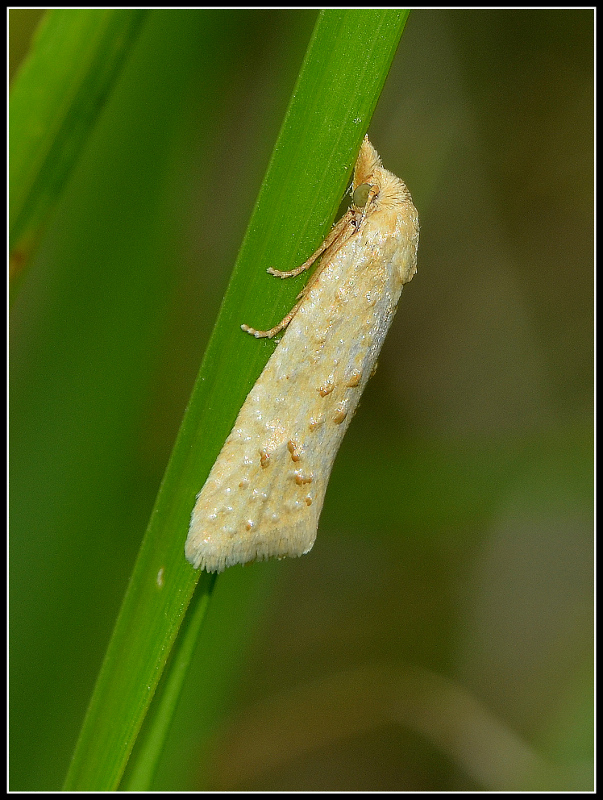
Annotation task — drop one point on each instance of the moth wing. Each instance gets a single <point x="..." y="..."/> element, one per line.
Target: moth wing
<point x="256" y="504"/>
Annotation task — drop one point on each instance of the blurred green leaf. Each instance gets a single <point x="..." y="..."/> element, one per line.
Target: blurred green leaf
<point x="56" y="97"/>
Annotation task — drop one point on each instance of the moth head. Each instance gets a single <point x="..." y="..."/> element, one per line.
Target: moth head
<point x="367" y="162"/>
<point x="362" y="194"/>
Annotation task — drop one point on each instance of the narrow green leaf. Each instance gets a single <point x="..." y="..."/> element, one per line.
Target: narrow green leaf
<point x="55" y="101"/>
<point x="151" y="742"/>
<point x="338" y="87"/>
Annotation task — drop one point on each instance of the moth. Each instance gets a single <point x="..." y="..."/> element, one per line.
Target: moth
<point x="264" y="494"/>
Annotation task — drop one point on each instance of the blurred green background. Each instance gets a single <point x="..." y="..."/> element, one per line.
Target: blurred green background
<point x="456" y="538"/>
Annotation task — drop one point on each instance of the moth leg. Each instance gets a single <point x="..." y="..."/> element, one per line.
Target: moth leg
<point x="341" y="232"/>
<point x="335" y="233"/>
<point x="277" y="328"/>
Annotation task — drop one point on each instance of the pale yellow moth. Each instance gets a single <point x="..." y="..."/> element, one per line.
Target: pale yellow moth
<point x="264" y="494"/>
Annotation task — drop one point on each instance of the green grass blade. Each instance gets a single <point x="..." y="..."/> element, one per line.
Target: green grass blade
<point x="55" y="101"/>
<point x="338" y="87"/>
<point x="157" y="725"/>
